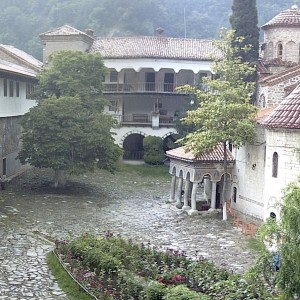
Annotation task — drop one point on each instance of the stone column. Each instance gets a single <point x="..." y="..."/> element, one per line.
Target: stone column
<point x="186" y="195"/>
<point x="178" y="196"/>
<point x="173" y="185"/>
<point x="194" y="210"/>
<point x="213" y="195"/>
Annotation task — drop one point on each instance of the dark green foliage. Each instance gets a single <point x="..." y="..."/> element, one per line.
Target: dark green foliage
<point x="143" y="273"/>
<point x="114" y="18"/>
<point x="181" y="292"/>
<point x="153" y="150"/>
<point x="244" y="22"/>
<point x="63" y="134"/>
<point x="156" y="291"/>
<point x="73" y="73"/>
<point x="283" y="235"/>
<point x="67" y="130"/>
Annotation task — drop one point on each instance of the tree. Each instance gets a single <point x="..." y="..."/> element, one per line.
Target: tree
<point x="225" y="114"/>
<point x="283" y="235"/>
<point x="68" y="131"/>
<point x="244" y="21"/>
<point x="153" y="150"/>
<point x="73" y="73"/>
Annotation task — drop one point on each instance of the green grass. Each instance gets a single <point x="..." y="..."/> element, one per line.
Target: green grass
<point x="144" y="170"/>
<point x="65" y="282"/>
<point x="256" y="245"/>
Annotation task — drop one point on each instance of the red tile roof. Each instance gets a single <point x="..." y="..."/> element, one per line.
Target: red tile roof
<point x="143" y="46"/>
<point x="155" y="47"/>
<point x="215" y="155"/>
<point x="280" y="76"/>
<point x="287" y="113"/>
<point x="263" y="114"/>
<point x="287" y="18"/>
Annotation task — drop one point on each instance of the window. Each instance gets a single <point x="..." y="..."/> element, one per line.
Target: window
<point x="150" y="81"/>
<point x="275" y="165"/>
<point x="113" y="105"/>
<point x="29" y="91"/>
<point x="4" y="166"/>
<point x="234" y="194"/>
<point x="11" y="88"/>
<point x="5" y="87"/>
<point x="279" y="50"/>
<point x="169" y="82"/>
<point x="17" y="89"/>
<point x="113" y="77"/>
<point x="262" y="100"/>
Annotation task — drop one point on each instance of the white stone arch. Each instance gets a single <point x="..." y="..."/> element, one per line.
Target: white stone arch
<point x="130" y="133"/>
<point x="273" y="206"/>
<point x="173" y="172"/>
<point x="168" y="134"/>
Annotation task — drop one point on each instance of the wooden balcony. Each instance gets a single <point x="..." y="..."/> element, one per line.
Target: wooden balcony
<point x="141" y="87"/>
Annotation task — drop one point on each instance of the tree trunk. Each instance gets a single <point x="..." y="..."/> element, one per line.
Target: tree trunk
<point x="60" y="178"/>
<point x="224" y="190"/>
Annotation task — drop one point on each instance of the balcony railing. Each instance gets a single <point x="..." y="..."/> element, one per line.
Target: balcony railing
<point x="145" y="119"/>
<point x="142" y="87"/>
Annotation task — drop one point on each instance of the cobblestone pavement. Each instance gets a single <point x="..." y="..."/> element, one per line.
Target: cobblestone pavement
<point x="131" y="206"/>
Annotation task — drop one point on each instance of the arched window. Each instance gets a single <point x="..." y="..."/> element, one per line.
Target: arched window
<point x="279" y="50"/>
<point x="275" y="165"/>
<point x="270" y="51"/>
<point x="262" y="100"/>
<point x="234" y="194"/>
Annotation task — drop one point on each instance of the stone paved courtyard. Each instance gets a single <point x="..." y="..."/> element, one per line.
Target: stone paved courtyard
<point x="129" y="205"/>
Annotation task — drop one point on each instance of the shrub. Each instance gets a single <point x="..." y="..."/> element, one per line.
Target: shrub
<point x="181" y="292"/>
<point x="156" y="291"/>
<point x="153" y="150"/>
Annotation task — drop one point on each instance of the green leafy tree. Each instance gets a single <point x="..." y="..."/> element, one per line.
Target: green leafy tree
<point x="283" y="236"/>
<point x="73" y="73"/>
<point x="153" y="150"/>
<point x="68" y="131"/>
<point x="244" y="21"/>
<point x="225" y="114"/>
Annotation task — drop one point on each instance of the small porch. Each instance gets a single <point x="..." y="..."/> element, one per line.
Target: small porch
<point x="190" y="172"/>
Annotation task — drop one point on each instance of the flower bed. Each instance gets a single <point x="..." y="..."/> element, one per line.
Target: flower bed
<point x="114" y="268"/>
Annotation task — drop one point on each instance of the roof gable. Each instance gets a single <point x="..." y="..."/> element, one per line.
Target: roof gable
<point x="63" y="30"/>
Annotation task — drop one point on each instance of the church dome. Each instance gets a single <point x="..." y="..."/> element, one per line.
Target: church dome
<point x="287" y="18"/>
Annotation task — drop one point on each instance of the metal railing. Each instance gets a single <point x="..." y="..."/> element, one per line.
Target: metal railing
<point x="133" y="155"/>
<point x="142" y="87"/>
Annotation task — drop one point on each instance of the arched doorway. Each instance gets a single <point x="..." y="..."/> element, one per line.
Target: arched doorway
<point x="133" y="147"/>
<point x="169" y="142"/>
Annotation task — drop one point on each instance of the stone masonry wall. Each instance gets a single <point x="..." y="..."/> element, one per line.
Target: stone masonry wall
<point x="10" y="132"/>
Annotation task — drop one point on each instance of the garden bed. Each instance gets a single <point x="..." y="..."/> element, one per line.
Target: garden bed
<point x="114" y="268"/>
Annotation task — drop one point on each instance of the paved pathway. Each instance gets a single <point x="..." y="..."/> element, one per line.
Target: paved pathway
<point x="133" y="208"/>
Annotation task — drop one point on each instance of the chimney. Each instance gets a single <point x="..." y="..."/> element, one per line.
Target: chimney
<point x="159" y="31"/>
<point x="89" y="32"/>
